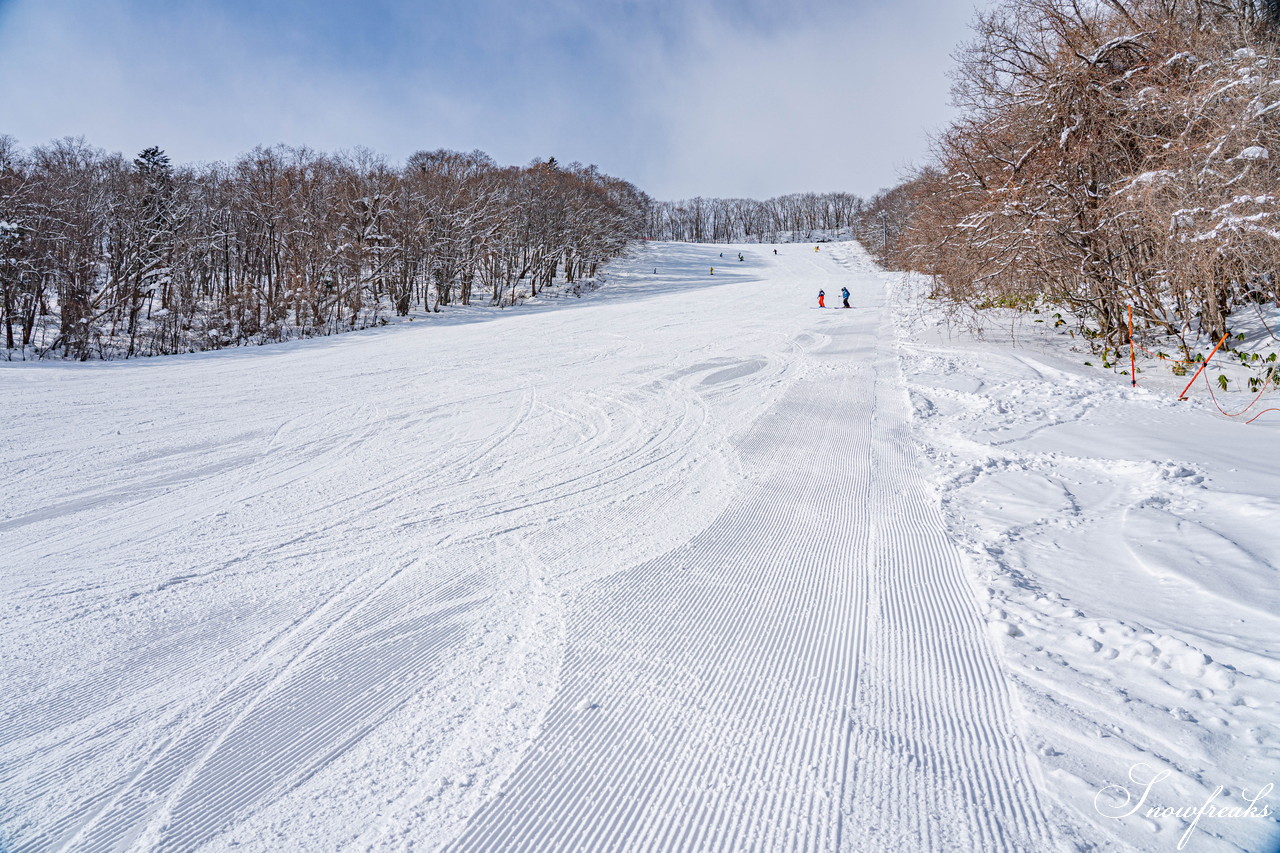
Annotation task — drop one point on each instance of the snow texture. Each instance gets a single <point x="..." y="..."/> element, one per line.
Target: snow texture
<point x="688" y="563"/>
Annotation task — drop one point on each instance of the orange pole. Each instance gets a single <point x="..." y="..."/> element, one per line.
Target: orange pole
<point x="1133" y="368"/>
<point x="1183" y="395"/>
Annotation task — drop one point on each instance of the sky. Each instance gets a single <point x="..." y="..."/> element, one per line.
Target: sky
<point x="735" y="98"/>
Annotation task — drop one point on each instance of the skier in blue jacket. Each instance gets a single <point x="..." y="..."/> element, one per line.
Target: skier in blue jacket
<point x="844" y="294"/>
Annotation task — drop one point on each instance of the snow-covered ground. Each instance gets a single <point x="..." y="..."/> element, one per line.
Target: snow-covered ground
<point x="1124" y="546"/>
<point x="687" y="563"/>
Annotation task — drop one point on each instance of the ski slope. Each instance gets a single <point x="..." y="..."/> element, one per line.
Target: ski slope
<point x="679" y="565"/>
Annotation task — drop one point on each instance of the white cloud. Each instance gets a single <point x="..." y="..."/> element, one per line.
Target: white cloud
<point x="683" y="99"/>
<point x="838" y="102"/>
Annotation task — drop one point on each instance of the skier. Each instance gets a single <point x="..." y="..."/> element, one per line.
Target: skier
<point x="822" y="299"/>
<point x="844" y="294"/>
<point x="815" y="248"/>
<point x="713" y="270"/>
<point x="740" y="258"/>
<point x="775" y="251"/>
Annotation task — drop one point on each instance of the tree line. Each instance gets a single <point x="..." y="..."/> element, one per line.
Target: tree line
<point x="1108" y="153"/>
<point x="799" y="216"/>
<point x="105" y="257"/>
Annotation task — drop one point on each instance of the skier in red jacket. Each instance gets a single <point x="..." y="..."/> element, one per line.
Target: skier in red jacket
<point x="822" y="299"/>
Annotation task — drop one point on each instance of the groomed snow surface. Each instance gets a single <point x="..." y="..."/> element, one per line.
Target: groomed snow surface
<point x="686" y="564"/>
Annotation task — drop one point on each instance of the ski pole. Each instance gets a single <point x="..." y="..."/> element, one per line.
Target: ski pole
<point x="1183" y="395"/>
<point x="1133" y="368"/>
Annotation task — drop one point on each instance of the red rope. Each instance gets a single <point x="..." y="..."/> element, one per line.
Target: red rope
<point x="1161" y="356"/>
<point x="1265" y="385"/>
<point x="1260" y="414"/>
<point x="1252" y="403"/>
<point x="1133" y="376"/>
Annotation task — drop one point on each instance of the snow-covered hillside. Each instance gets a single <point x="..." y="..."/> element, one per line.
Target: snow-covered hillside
<point x="688" y="563"/>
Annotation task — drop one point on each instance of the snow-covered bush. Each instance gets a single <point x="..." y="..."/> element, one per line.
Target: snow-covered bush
<point x="1109" y="154"/>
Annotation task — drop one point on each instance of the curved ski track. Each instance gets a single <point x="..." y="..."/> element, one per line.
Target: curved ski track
<point x="809" y="673"/>
<point x="661" y="590"/>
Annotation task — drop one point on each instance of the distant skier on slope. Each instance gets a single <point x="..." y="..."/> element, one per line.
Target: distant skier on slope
<point x="822" y="299"/>
<point x="713" y="270"/>
<point x="740" y="258"/>
<point x="844" y="294"/>
<point x="775" y="251"/>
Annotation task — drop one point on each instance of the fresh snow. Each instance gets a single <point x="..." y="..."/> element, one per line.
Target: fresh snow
<point x="687" y="563"/>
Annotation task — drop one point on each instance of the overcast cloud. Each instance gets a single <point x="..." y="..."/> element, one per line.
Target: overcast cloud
<point x="719" y="98"/>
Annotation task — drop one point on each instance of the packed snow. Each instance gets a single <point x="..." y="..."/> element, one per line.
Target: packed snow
<point x="686" y="563"/>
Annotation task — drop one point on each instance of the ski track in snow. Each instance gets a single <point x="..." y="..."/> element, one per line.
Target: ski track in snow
<point x="808" y="673"/>
<point x="663" y="568"/>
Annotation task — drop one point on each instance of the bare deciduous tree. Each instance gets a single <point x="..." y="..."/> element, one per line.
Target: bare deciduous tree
<point x="103" y="257"/>
<point x="1110" y="154"/>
